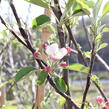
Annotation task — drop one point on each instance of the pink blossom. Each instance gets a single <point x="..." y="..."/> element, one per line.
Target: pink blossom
<point x="68" y="49"/>
<point x="55" y="53"/>
<point x="44" y="46"/>
<point x="47" y="69"/>
<point x="63" y="64"/>
<point x="36" y="54"/>
<point x="107" y="103"/>
<point x="104" y="107"/>
<point x="99" y="99"/>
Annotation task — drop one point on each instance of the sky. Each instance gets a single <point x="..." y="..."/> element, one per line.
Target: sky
<point x="22" y="9"/>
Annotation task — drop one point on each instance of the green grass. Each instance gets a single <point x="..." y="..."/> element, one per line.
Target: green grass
<point x="10" y="106"/>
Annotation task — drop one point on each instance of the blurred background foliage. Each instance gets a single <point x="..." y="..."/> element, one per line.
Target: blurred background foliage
<point x="14" y="56"/>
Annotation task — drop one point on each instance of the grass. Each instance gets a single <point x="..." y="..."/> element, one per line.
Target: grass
<point x="77" y="92"/>
<point x="10" y="106"/>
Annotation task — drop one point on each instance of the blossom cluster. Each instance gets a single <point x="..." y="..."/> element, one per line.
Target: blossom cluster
<point x="54" y="53"/>
<point x="102" y="103"/>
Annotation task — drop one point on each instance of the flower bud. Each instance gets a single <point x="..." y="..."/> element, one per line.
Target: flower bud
<point x="36" y="54"/>
<point x="44" y="46"/>
<point x="107" y="103"/>
<point x="104" y="107"/>
<point x="47" y="69"/>
<point x="63" y="64"/>
<point x="68" y="49"/>
<point x="99" y="99"/>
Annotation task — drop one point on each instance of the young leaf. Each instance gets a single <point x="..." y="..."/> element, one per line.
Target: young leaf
<point x="105" y="9"/>
<point x="102" y="46"/>
<point x="41" y="3"/>
<point x="90" y="3"/>
<point x="62" y="100"/>
<point x="96" y="79"/>
<point x="98" y="39"/>
<point x="41" y="77"/>
<point x="80" y="12"/>
<point x="84" y="6"/>
<point x="60" y="84"/>
<point x="97" y="7"/>
<point x="106" y="30"/>
<point x="38" y="21"/>
<point x="87" y="54"/>
<point x="78" y="67"/>
<point x="69" y="4"/>
<point x="23" y="72"/>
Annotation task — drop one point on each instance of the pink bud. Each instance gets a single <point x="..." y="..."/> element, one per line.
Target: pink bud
<point x="47" y="69"/>
<point x="107" y="103"/>
<point x="44" y="46"/>
<point x="104" y="107"/>
<point x="63" y="64"/>
<point x="99" y="99"/>
<point x="68" y="49"/>
<point x="36" y="54"/>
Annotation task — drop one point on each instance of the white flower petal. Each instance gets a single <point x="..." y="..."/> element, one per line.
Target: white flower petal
<point x="52" y="49"/>
<point x="55" y="53"/>
<point x="58" y="56"/>
<point x="63" y="51"/>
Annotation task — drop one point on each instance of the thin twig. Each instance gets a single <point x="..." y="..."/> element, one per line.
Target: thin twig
<point x="101" y="91"/>
<point x="102" y="62"/>
<point x="22" y="31"/>
<point x="76" y="45"/>
<point x="89" y="76"/>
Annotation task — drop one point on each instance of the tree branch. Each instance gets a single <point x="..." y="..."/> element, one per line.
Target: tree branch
<point x="89" y="76"/>
<point x="62" y="35"/>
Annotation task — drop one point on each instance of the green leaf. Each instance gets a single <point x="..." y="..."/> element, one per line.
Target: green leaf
<point x="98" y="38"/>
<point x="102" y="46"/>
<point x="4" y="33"/>
<point x="97" y="8"/>
<point x="41" y="77"/>
<point x="84" y="6"/>
<point x="38" y="21"/>
<point x="96" y="79"/>
<point x="90" y="3"/>
<point x="60" y="84"/>
<point x="78" y="67"/>
<point x="80" y="12"/>
<point x="105" y="9"/>
<point x="23" y="72"/>
<point x="41" y="3"/>
<point x="62" y="100"/>
<point x="106" y="30"/>
<point x="69" y="4"/>
<point x="87" y="54"/>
